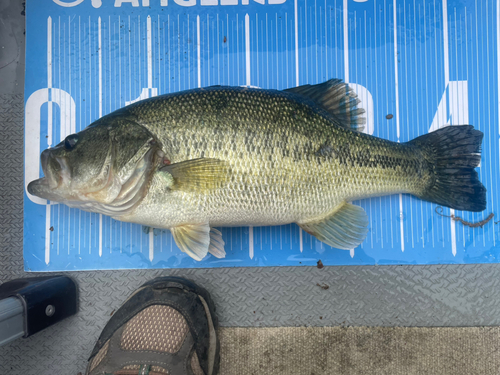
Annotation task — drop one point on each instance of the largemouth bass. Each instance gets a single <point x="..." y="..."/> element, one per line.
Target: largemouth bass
<point x="232" y="156"/>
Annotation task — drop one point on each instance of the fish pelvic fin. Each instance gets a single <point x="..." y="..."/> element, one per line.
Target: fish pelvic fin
<point x="198" y="175"/>
<point x="192" y="239"/>
<point x="337" y="98"/>
<point x="453" y="152"/>
<point x="197" y="240"/>
<point x="216" y="247"/>
<point x="345" y="229"/>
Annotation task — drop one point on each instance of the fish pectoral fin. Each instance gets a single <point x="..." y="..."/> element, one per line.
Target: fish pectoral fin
<point x="337" y="98"/>
<point x="193" y="239"/>
<point x="216" y="247"/>
<point x="345" y="229"/>
<point x="198" y="175"/>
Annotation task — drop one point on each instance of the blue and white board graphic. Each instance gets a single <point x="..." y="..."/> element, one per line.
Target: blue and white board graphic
<point x="417" y="65"/>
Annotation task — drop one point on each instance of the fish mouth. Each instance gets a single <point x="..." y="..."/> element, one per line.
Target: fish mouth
<point x="41" y="188"/>
<point x="51" y="168"/>
<point x="55" y="171"/>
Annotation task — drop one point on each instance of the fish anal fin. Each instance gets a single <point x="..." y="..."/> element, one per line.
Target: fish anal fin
<point x="337" y="98"/>
<point x="345" y="228"/>
<point x="198" y="175"/>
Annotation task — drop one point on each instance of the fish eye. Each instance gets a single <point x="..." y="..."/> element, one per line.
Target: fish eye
<point x="70" y="141"/>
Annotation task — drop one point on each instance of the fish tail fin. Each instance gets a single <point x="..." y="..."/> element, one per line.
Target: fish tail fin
<point x="454" y="152"/>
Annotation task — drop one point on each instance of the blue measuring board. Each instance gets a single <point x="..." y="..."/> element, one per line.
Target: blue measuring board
<point x="417" y="66"/>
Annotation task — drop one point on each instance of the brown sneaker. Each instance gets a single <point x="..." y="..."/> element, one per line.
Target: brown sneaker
<point x="168" y="326"/>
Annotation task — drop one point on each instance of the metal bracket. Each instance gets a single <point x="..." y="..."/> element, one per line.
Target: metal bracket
<point x="44" y="300"/>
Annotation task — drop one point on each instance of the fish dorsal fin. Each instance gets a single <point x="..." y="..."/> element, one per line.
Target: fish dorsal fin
<point x="345" y="229"/>
<point x="338" y="99"/>
<point x="196" y="240"/>
<point x="198" y="175"/>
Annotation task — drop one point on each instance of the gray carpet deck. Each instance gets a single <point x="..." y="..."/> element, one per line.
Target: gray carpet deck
<point x="409" y="351"/>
